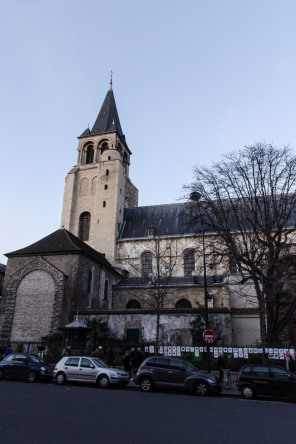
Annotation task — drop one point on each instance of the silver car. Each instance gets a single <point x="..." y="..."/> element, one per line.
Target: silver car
<point x="92" y="370"/>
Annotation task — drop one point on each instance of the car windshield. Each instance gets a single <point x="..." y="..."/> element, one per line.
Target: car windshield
<point x="99" y="363"/>
<point x="190" y="366"/>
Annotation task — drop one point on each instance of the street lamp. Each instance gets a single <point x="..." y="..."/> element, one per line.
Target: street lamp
<point x="195" y="197"/>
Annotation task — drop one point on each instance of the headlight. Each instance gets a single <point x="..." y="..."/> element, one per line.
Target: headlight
<point x="211" y="381"/>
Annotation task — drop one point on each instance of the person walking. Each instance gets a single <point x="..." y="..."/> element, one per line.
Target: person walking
<point x="110" y="357"/>
<point x="139" y="358"/>
<point x="126" y="360"/>
<point x="222" y="365"/>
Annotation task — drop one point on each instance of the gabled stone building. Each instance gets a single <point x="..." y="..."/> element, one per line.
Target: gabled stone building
<point x="102" y="261"/>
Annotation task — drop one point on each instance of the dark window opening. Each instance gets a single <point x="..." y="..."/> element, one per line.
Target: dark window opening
<point x="104" y="204"/>
<point x="106" y="291"/>
<point x="106" y="187"/>
<point x="189" y="262"/>
<point x="109" y="157"/>
<point x="107" y="172"/>
<point x="133" y="305"/>
<point x="84" y="225"/>
<point x="104" y="147"/>
<point x="89" y="282"/>
<point x="183" y="303"/>
<point x="89" y="154"/>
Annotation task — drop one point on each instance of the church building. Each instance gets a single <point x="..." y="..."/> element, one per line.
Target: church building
<point x="132" y="266"/>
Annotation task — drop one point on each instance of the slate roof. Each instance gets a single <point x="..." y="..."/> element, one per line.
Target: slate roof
<point x="107" y="120"/>
<point x="167" y="220"/>
<point x="2" y="268"/>
<point x="175" y="220"/>
<point x="61" y="242"/>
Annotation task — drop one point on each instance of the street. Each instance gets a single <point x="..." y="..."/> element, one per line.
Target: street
<point x="47" y="413"/>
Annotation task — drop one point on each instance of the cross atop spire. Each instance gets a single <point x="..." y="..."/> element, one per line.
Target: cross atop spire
<point x="110" y="87"/>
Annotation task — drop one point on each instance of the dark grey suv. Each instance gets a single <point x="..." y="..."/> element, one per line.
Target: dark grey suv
<point x="162" y="371"/>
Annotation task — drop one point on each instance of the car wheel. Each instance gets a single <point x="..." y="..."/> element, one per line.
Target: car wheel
<point x="1" y="374"/>
<point x="146" y="384"/>
<point x="31" y="377"/>
<point x="103" y="382"/>
<point x="61" y="378"/>
<point x="248" y="392"/>
<point x="201" y="388"/>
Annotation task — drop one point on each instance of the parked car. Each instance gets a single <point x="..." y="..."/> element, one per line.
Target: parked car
<point x="267" y="380"/>
<point x="86" y="369"/>
<point x="162" y="371"/>
<point x="24" y="366"/>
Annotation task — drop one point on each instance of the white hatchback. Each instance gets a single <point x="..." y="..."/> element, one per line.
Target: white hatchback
<point x="92" y="370"/>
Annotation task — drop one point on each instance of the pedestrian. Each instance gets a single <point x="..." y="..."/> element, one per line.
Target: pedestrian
<point x="139" y="358"/>
<point x="287" y="360"/>
<point x="222" y="365"/>
<point x="98" y="353"/>
<point x="7" y="350"/>
<point x="1" y="351"/>
<point x="132" y="356"/>
<point x="126" y="360"/>
<point x="292" y="364"/>
<point x="110" y="357"/>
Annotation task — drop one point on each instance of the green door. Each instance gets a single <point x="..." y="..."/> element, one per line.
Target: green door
<point x="132" y="337"/>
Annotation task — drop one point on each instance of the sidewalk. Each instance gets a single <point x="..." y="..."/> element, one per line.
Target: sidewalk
<point x="233" y="391"/>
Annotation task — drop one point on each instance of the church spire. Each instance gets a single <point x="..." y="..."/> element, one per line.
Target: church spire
<point x="107" y="120"/>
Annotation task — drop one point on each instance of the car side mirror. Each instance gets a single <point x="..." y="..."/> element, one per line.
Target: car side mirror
<point x="91" y="366"/>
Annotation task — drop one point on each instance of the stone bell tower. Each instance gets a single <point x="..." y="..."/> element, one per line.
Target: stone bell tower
<point x="98" y="188"/>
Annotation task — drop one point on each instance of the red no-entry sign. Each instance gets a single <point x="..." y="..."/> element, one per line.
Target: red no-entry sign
<point x="208" y="336"/>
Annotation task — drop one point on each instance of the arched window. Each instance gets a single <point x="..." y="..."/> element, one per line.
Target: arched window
<point x="104" y="204"/>
<point x="89" y="154"/>
<point x="183" y="303"/>
<point x="104" y="147"/>
<point x="189" y="262"/>
<point x="89" y="282"/>
<point x="84" y="224"/>
<point x="106" y="290"/>
<point x="107" y="172"/>
<point x="133" y="305"/>
<point x="146" y="263"/>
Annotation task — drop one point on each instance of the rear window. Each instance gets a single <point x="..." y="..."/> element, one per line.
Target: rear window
<point x="72" y="362"/>
<point x="158" y="362"/>
<point x="246" y="370"/>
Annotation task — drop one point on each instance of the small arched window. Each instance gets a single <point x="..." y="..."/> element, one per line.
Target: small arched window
<point x="104" y="204"/>
<point x="89" y="154"/>
<point x="183" y="303"/>
<point x="107" y="172"/>
<point x="133" y="305"/>
<point x="146" y="264"/>
<point x="84" y="224"/>
<point x="189" y="262"/>
<point x="106" y="290"/>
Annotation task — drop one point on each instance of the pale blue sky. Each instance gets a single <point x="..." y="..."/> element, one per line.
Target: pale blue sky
<point x="192" y="80"/>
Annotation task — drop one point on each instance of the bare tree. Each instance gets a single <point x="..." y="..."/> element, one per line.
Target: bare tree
<point x="248" y="201"/>
<point x="152" y="286"/>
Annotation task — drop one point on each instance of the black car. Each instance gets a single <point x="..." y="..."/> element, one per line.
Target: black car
<point x="267" y="380"/>
<point x="24" y="366"/>
<point x="163" y="371"/>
